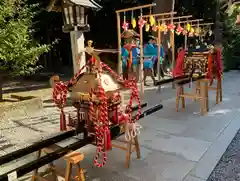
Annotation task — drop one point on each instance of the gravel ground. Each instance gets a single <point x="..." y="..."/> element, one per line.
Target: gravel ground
<point x="228" y="168"/>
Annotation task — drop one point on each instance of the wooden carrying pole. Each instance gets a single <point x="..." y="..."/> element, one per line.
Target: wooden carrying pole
<point x="159" y="55"/>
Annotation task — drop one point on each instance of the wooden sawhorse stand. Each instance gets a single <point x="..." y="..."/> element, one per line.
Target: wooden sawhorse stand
<point x="218" y="90"/>
<point x="201" y="95"/>
<point x="131" y="146"/>
<point x="72" y="158"/>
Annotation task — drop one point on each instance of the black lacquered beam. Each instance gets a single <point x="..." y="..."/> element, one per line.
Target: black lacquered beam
<point x="166" y="81"/>
<point x="115" y="131"/>
<point x="190" y="80"/>
<point x="134" y="108"/>
<point x="45" y="143"/>
<point x="24" y="169"/>
<point x="36" y="146"/>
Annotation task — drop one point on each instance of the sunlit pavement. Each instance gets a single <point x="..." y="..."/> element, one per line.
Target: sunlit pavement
<point x="175" y="146"/>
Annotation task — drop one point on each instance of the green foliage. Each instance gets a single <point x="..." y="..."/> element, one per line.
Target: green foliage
<point x="231" y="51"/>
<point x="19" y="52"/>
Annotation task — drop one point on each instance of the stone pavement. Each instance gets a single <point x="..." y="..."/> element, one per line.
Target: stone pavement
<point x="228" y="168"/>
<point x="181" y="146"/>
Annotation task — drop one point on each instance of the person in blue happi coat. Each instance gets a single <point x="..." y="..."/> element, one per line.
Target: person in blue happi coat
<point x="136" y="59"/>
<point x="125" y="56"/>
<point x="150" y="54"/>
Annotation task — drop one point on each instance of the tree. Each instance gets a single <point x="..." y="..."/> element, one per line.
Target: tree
<point x="231" y="52"/>
<point x="19" y="51"/>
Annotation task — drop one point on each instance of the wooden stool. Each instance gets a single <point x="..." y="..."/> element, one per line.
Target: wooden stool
<point x="201" y="95"/>
<point x="131" y="146"/>
<point x="72" y="158"/>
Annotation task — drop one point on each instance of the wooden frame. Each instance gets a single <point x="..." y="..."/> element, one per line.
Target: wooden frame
<point x="177" y="18"/>
<point x="203" y="24"/>
<point x="172" y="40"/>
<point x="141" y="41"/>
<point x="191" y="21"/>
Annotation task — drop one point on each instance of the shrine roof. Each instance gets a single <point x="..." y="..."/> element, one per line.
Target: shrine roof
<point x="55" y="5"/>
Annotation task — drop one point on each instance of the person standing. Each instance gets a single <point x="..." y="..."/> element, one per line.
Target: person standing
<point x="149" y="54"/>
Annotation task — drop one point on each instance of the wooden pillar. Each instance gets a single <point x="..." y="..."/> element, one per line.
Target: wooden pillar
<point x="119" y="44"/>
<point x="185" y="42"/>
<point x="141" y="63"/>
<point x="173" y="48"/>
<point x="159" y="55"/>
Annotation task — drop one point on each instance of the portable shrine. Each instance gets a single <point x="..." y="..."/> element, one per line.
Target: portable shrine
<point x="95" y="94"/>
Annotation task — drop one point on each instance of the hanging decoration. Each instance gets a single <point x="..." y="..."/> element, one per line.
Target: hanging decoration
<point x="204" y="32"/>
<point x="185" y="32"/>
<point x="125" y="24"/>
<point x="179" y="29"/>
<point x="147" y="27"/>
<point x="155" y="28"/>
<point x="210" y="32"/>
<point x="133" y="21"/>
<point x="141" y="21"/>
<point x="188" y="27"/>
<point x="151" y="18"/>
<point x="191" y="32"/>
<point x="171" y="27"/>
<point x="197" y="31"/>
<point x="163" y="28"/>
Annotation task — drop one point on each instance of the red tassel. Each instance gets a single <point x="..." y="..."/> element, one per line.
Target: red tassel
<point x="63" y="126"/>
<point x="114" y="117"/>
<point x="108" y="140"/>
<point x="178" y="69"/>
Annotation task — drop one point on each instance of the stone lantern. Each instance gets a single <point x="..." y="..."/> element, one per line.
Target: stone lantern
<point x="75" y="23"/>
